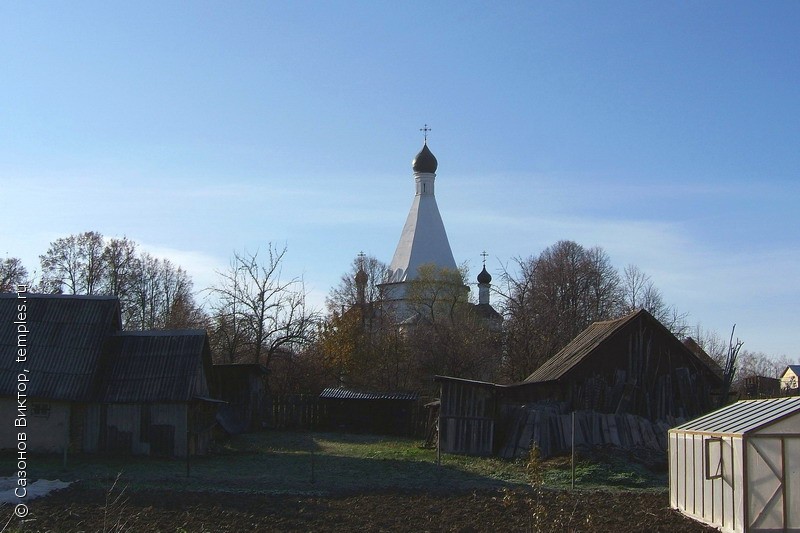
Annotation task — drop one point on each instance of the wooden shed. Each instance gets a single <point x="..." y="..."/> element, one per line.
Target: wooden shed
<point x="738" y="468"/>
<point x="242" y="386"/>
<point x="632" y="366"/>
<point x="383" y="413"/>
<point x="153" y="396"/>
<point x="758" y="387"/>
<point x="93" y="387"/>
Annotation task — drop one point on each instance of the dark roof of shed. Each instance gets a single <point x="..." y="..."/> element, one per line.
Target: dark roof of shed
<point x="743" y="417"/>
<point x="66" y="338"/>
<point x="333" y="393"/>
<point x="156" y="366"/>
<point x="593" y="337"/>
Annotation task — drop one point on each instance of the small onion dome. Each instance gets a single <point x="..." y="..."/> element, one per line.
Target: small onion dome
<point x="425" y="162"/>
<point x="361" y="276"/>
<point x="484" y="277"/>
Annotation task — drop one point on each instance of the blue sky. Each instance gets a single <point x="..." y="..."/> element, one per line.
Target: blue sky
<point x="668" y="133"/>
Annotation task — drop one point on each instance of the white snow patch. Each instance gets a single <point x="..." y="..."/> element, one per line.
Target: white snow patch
<point x="36" y="489"/>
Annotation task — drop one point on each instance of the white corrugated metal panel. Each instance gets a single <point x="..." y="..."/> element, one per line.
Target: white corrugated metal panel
<point x="333" y="393"/>
<point x="743" y="417"/>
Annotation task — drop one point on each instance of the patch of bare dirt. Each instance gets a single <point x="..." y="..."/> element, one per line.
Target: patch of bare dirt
<point x="80" y="509"/>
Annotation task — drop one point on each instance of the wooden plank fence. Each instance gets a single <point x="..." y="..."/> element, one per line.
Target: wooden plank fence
<point x="296" y="411"/>
<point x="308" y="412"/>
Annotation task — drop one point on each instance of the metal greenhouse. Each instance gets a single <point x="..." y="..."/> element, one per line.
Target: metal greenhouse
<point x="738" y="468"/>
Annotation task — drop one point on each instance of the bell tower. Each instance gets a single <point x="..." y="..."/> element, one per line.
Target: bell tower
<point x="423" y="239"/>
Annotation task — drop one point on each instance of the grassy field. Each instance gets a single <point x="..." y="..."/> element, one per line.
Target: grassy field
<point x="323" y="463"/>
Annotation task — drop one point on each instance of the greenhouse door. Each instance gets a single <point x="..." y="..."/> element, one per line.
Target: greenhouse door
<point x="766" y="488"/>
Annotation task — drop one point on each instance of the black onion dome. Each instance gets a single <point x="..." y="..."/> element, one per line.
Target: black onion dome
<point x="361" y="276"/>
<point x="484" y="277"/>
<point x="425" y="161"/>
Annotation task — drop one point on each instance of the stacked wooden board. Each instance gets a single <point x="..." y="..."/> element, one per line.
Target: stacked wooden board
<point x="549" y="428"/>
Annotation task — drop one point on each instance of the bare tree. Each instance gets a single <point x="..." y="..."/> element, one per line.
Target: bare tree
<point x="711" y="342"/>
<point x="160" y="296"/>
<point x="153" y="293"/>
<point x="553" y="297"/>
<point x="74" y="264"/>
<point x="752" y="364"/>
<point x="345" y="294"/>
<point x="121" y="264"/>
<point x="639" y="292"/>
<point x="730" y="367"/>
<point x="257" y="312"/>
<point x="12" y="274"/>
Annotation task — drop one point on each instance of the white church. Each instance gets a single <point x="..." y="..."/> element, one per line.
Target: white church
<point x="423" y="241"/>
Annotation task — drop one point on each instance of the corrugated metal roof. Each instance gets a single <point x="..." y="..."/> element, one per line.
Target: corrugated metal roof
<point x="76" y="352"/>
<point x="66" y="337"/>
<point x="151" y="366"/>
<point x="742" y="417"/>
<point x="333" y="393"/>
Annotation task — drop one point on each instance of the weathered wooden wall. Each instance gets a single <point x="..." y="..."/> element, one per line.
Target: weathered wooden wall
<point x="161" y="429"/>
<point x="47" y="428"/>
<point x="295" y="411"/>
<point x="467" y="418"/>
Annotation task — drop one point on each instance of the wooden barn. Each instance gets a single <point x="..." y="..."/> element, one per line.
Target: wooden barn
<point x="631" y="365"/>
<point x="95" y="388"/>
<point x="631" y="368"/>
<point x="757" y="387"/>
<point x="382" y="413"/>
<point x="243" y="388"/>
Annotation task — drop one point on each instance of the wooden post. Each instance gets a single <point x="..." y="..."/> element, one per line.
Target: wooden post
<point x="68" y="436"/>
<point x="188" y="435"/>
<point x="439" y="429"/>
<point x="313" y="478"/>
<point x="573" y="450"/>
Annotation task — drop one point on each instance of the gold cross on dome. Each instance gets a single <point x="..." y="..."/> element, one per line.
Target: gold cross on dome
<point x="425" y="129"/>
<point x="484" y="255"/>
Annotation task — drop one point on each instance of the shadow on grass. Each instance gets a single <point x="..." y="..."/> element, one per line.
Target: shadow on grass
<point x="360" y="438"/>
<point x="277" y="463"/>
<point x="269" y="441"/>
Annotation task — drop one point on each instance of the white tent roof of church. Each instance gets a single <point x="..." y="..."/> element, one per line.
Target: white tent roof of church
<point x="738" y="468"/>
<point x="423" y="239"/>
